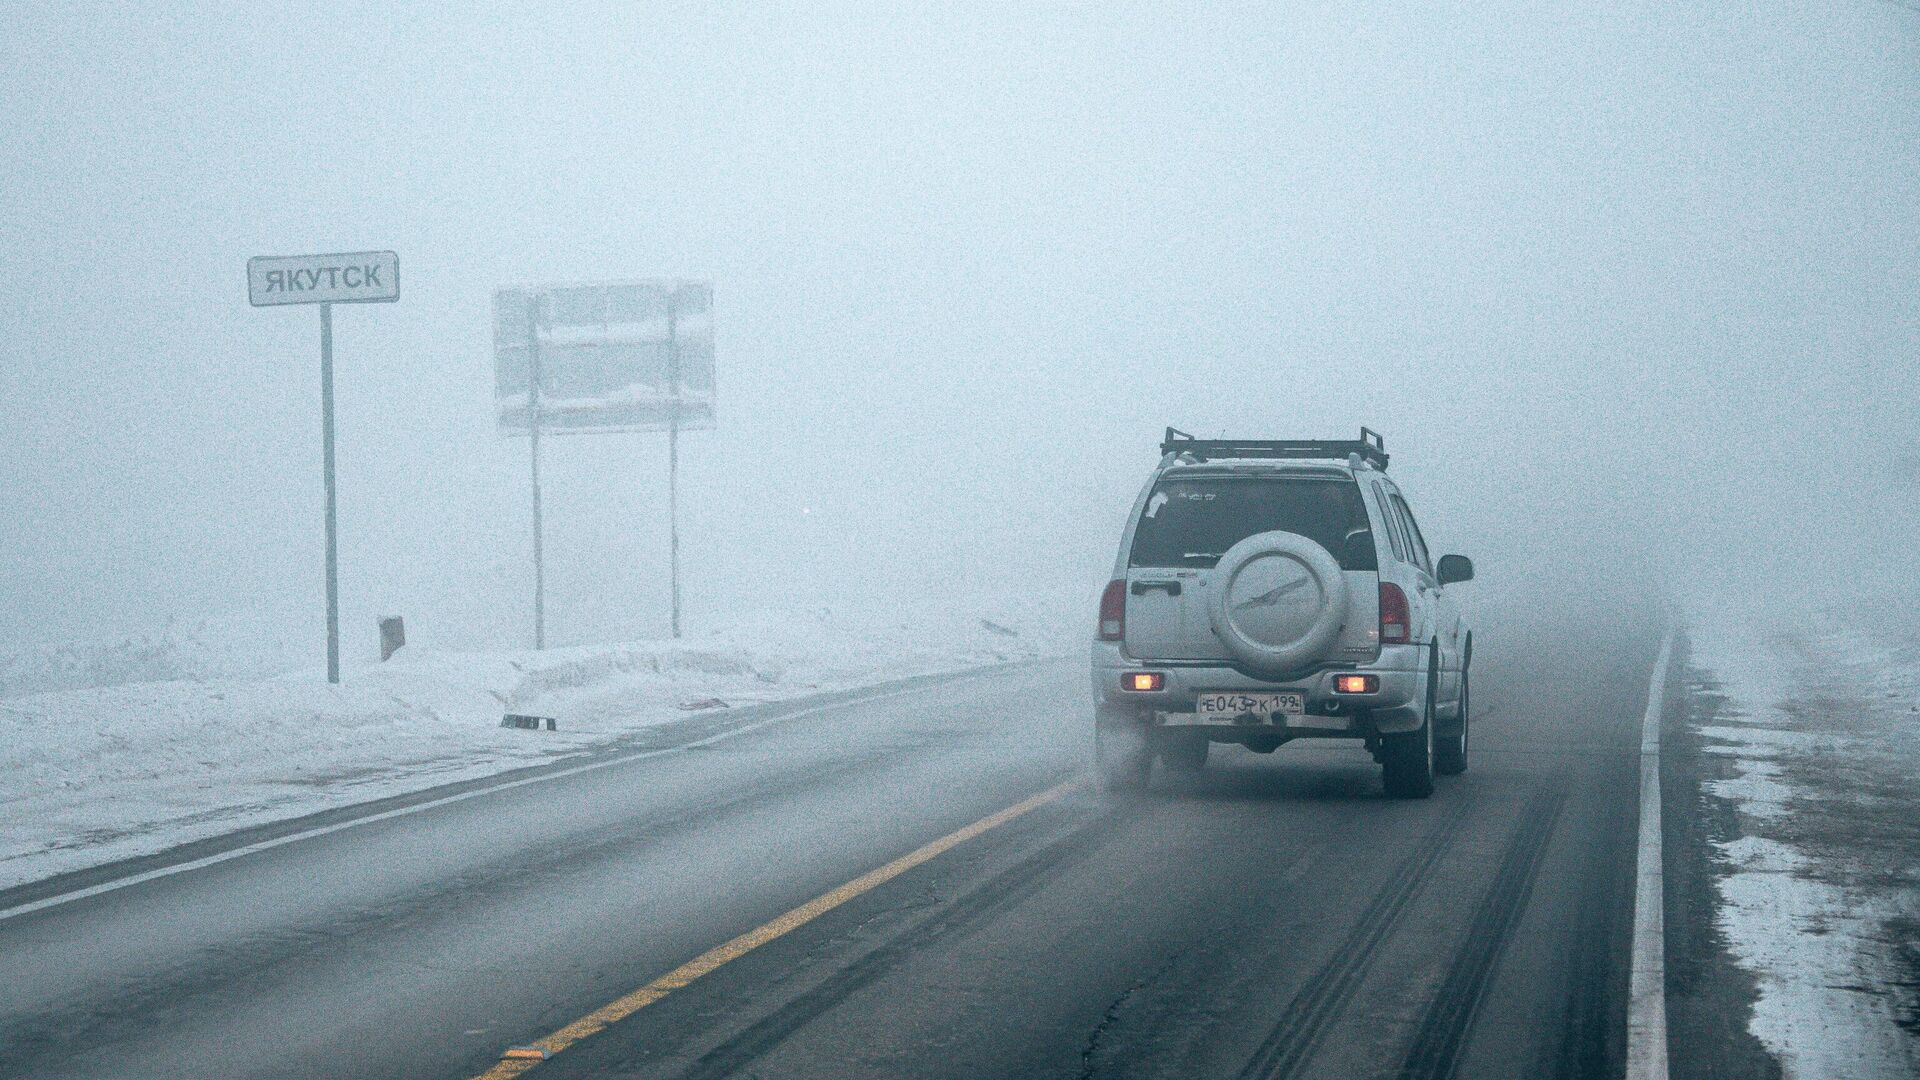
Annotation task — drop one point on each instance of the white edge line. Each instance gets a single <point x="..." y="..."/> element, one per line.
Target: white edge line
<point x="1647" y="985"/>
<point x="387" y="815"/>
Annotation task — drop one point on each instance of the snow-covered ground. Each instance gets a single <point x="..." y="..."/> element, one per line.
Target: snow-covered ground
<point x="1820" y="900"/>
<point x="112" y="771"/>
<point x="230" y="645"/>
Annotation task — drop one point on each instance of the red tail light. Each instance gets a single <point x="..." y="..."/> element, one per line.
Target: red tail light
<point x="1394" y="619"/>
<point x="1113" y="611"/>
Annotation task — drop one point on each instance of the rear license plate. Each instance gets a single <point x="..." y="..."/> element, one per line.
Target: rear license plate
<point x="1260" y="706"/>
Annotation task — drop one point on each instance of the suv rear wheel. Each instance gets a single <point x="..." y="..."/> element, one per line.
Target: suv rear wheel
<point x="1186" y="751"/>
<point x="1406" y="761"/>
<point x="1450" y="743"/>
<point x="1121" y="756"/>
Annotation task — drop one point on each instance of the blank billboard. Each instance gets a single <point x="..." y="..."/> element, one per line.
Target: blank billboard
<point x="618" y="356"/>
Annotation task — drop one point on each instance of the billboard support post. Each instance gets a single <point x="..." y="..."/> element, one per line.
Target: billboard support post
<point x="533" y="431"/>
<point x="326" y="454"/>
<point x="673" y="455"/>
<point x="618" y="356"/>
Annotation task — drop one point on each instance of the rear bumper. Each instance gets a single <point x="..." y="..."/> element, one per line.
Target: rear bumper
<point x="1394" y="708"/>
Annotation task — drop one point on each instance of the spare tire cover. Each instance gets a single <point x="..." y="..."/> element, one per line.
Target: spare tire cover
<point x="1277" y="601"/>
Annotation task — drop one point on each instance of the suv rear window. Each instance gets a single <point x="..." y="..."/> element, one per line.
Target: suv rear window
<point x="1192" y="522"/>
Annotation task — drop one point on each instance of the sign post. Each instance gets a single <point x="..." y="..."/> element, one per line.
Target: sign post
<point x="619" y="356"/>
<point x="673" y="454"/>
<point x="364" y="277"/>
<point x="533" y="430"/>
<point x="333" y="501"/>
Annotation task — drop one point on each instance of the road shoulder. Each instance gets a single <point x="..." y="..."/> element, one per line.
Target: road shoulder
<point x="1807" y="754"/>
<point x="1710" y="996"/>
<point x="672" y="737"/>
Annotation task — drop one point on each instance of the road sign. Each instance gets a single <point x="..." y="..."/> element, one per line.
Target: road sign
<point x="354" y="277"/>
<point x="615" y="356"/>
<point x="621" y="356"/>
<point x="358" y="277"/>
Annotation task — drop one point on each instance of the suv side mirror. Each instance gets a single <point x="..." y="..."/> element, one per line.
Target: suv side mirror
<point x="1454" y="568"/>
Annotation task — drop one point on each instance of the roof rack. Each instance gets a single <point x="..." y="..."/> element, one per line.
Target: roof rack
<point x="1370" y="446"/>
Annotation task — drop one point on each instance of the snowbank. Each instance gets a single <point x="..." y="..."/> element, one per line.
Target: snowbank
<point x="110" y="772"/>
<point x="232" y="645"/>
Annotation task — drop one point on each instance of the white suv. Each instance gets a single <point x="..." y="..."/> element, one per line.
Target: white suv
<point x="1274" y="590"/>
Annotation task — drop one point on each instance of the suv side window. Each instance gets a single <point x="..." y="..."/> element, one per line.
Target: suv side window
<point x="1413" y="531"/>
<point x="1387" y="517"/>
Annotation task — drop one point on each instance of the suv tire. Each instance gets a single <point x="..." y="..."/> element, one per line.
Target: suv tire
<point x="1450" y="743"/>
<point x="1122" y="757"/>
<point x="1406" y="764"/>
<point x="1319" y="568"/>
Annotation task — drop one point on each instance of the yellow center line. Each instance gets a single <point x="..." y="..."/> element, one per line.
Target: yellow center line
<point x="615" y="1011"/>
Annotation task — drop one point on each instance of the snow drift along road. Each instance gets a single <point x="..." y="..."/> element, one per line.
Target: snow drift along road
<point x="101" y="774"/>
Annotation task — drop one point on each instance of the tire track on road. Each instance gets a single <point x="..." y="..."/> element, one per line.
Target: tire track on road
<point x="1443" y="1030"/>
<point x="979" y="904"/>
<point x="1292" y="1042"/>
<point x="43" y="1034"/>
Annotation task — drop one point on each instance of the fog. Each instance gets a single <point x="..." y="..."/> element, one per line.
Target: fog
<point x="1630" y="290"/>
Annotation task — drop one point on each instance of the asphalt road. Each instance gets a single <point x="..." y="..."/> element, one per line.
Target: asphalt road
<point x="1275" y="916"/>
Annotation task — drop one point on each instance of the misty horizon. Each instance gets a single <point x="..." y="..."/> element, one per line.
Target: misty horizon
<point x="1628" y="291"/>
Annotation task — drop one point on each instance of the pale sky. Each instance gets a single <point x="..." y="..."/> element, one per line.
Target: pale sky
<point x="1616" y="281"/>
